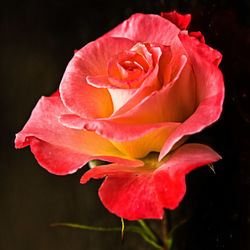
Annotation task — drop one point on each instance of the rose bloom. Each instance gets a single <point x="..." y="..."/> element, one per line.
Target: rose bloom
<point x="131" y="98"/>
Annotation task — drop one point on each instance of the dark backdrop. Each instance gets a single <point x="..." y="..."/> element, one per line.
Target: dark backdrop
<point x="37" y="41"/>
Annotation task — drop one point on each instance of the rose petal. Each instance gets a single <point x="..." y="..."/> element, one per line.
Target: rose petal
<point x="137" y="56"/>
<point x="150" y="84"/>
<point x="43" y="124"/>
<point x="198" y="35"/>
<point x="146" y="28"/>
<point x="61" y="161"/>
<point x="181" y="21"/>
<point x="120" y="96"/>
<point x="119" y="196"/>
<point x="112" y="129"/>
<point x="122" y="90"/>
<point x="196" y="41"/>
<point x="150" y="142"/>
<point x="127" y="192"/>
<point x="46" y="135"/>
<point x="210" y="91"/>
<point x="142" y="192"/>
<point x="169" y="178"/>
<point x="55" y="159"/>
<point x="100" y="81"/>
<point x="162" y="103"/>
<point x="91" y="60"/>
<point x="137" y="122"/>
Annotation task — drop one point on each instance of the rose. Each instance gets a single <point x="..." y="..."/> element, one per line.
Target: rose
<point x="131" y="98"/>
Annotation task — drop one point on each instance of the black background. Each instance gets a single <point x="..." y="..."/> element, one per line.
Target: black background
<point x="37" y="41"/>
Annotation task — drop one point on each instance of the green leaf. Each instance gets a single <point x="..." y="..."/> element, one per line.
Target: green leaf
<point x="147" y="230"/>
<point x="133" y="229"/>
<point x="103" y="229"/>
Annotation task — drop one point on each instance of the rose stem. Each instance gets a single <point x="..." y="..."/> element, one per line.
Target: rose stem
<point x="165" y="232"/>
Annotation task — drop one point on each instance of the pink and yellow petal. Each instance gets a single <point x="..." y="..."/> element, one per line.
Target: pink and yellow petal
<point x="209" y="89"/>
<point x="120" y="96"/>
<point x="150" y="142"/>
<point x="47" y="136"/>
<point x="44" y="125"/>
<point x="172" y="103"/>
<point x="113" y="130"/>
<point x="62" y="161"/>
<point x="88" y="101"/>
<point x="91" y="60"/>
<point x="150" y="84"/>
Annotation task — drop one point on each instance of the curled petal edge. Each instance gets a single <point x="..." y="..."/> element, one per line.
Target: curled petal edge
<point x="109" y="129"/>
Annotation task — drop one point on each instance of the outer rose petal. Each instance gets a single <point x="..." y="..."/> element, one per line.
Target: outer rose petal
<point x="130" y="204"/>
<point x="127" y="192"/>
<point x="199" y="45"/>
<point x="169" y="179"/>
<point x="61" y="161"/>
<point x="49" y="140"/>
<point x="91" y="60"/>
<point x="146" y="28"/>
<point x="181" y="21"/>
<point x="210" y="91"/>
<point x="142" y="192"/>
<point x="55" y="159"/>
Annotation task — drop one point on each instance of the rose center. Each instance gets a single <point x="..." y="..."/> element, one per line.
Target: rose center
<point x="126" y="70"/>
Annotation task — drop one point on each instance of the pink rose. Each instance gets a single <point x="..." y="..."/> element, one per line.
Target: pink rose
<point x="131" y="98"/>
